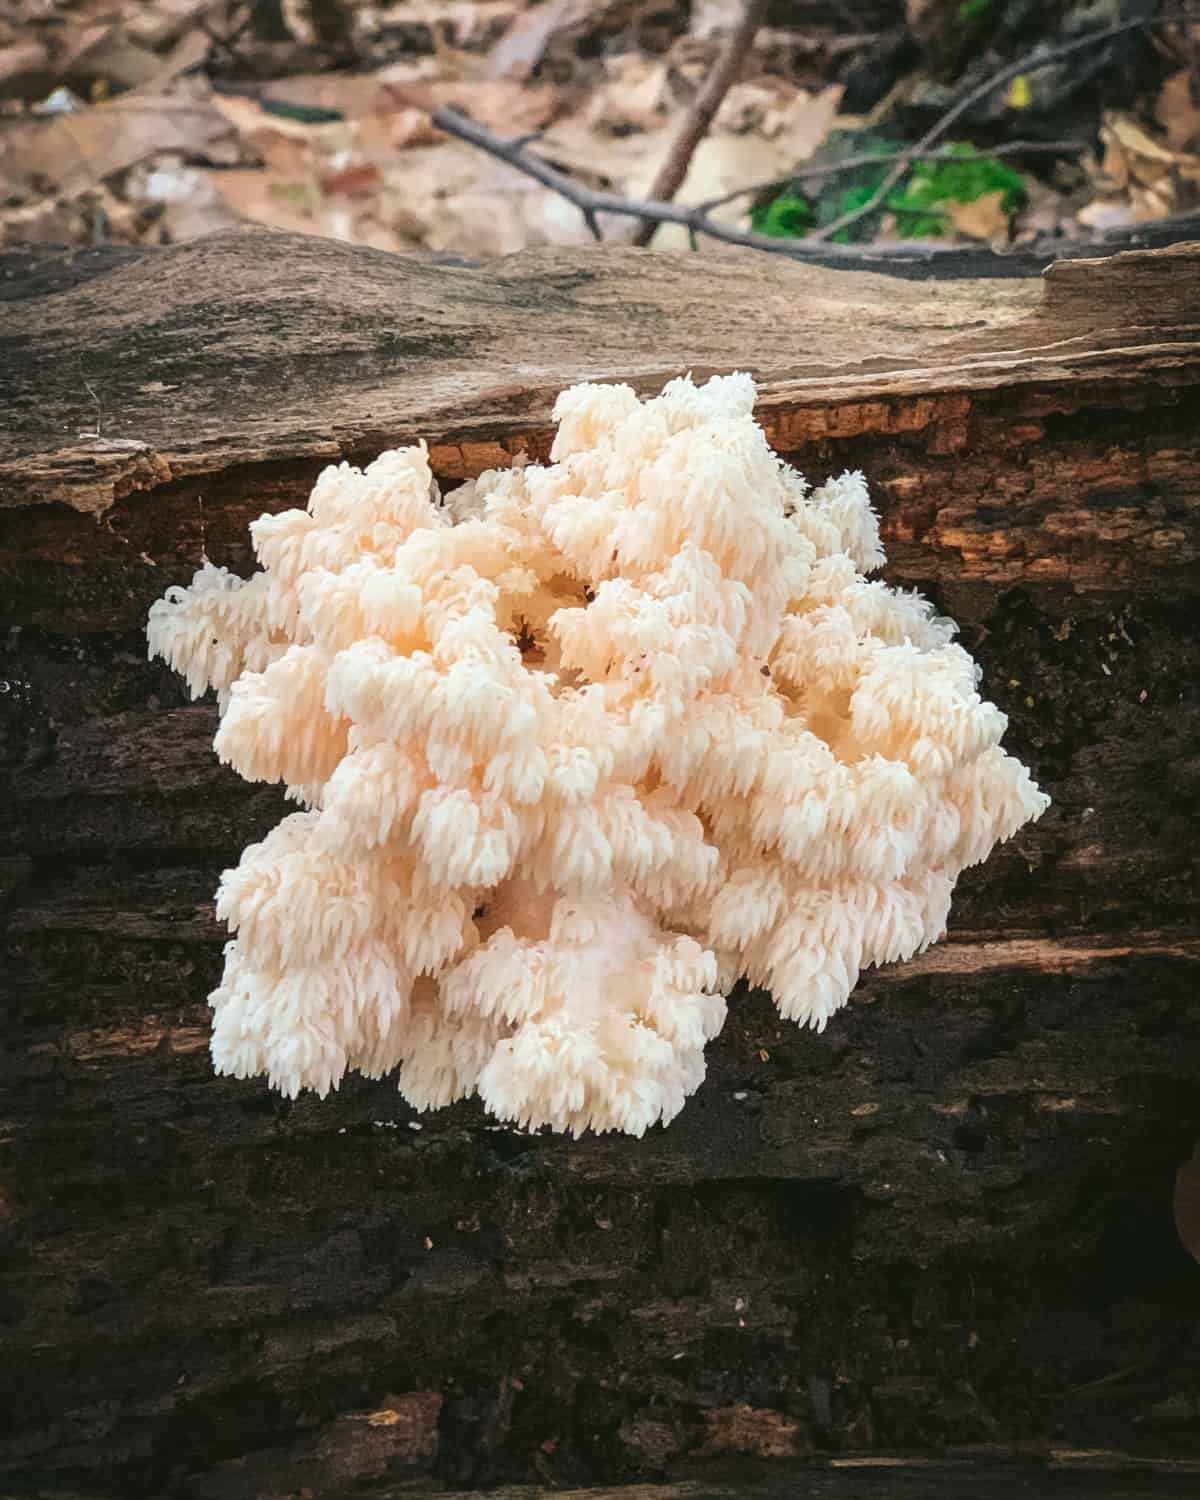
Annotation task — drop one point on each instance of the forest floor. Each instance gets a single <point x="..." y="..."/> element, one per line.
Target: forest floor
<point x="162" y="120"/>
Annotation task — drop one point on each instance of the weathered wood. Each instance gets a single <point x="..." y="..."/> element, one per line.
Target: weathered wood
<point x="943" y="1225"/>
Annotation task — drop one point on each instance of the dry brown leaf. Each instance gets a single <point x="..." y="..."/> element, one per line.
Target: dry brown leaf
<point x="165" y="22"/>
<point x="504" y="106"/>
<point x="380" y="104"/>
<point x="24" y="70"/>
<point x="1155" y="180"/>
<point x="523" y="45"/>
<point x="184" y="201"/>
<point x="801" y="119"/>
<point x="451" y="197"/>
<point x="719" y="164"/>
<point x="1176" y="112"/>
<point x="296" y="203"/>
<point x="360" y="180"/>
<point x="1045" y="212"/>
<point x="271" y="198"/>
<point x="603" y="161"/>
<point x="1103" y="214"/>
<point x="982" y="219"/>
<point x="774" y="107"/>
<point x="188" y="52"/>
<point x="355" y="95"/>
<point x="468" y="21"/>
<point x="727" y="158"/>
<point x="73" y="152"/>
<point x="745" y="105"/>
<point x="493" y="222"/>
<point x="397" y="129"/>
<point x="291" y="149"/>
<point x="107" y="53"/>
<point x="635" y="95"/>
<point x="92" y="215"/>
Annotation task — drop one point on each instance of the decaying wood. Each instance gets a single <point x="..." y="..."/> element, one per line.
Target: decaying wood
<point x="942" y="1226"/>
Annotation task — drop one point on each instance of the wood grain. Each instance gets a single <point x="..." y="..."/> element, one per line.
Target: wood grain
<point x="942" y="1226"/>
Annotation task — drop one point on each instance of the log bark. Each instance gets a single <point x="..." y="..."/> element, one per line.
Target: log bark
<point x="942" y="1227"/>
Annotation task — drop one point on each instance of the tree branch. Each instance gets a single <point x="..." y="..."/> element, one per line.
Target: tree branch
<point x="703" y="107"/>
<point x="591" y="202"/>
<point x="696" y="220"/>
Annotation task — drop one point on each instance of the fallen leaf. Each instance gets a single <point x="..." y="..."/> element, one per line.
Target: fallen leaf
<point x="186" y="202"/>
<point x="524" y="44"/>
<point x="1157" y="180"/>
<point x="1177" y="113"/>
<point x="507" y="107"/>
<point x="74" y="152"/>
<point x="1107" y="213"/>
<point x="636" y="95"/>
<point x="107" y="53"/>
<point x="982" y="219"/>
<point x="352" y="182"/>
<point x="351" y="95"/>
<point x="502" y="211"/>
<point x="719" y="164"/>
<point x="24" y="70"/>
<point x="604" y="161"/>
<point x="802" y="122"/>
<point x="470" y="22"/>
<point x="1020" y="95"/>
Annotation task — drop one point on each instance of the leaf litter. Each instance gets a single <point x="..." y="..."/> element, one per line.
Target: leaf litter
<point x="158" y="122"/>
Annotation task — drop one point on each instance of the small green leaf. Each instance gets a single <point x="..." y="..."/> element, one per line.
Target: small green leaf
<point x="785" y="217"/>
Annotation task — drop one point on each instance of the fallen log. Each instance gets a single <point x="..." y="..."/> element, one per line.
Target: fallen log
<point x="944" y="1226"/>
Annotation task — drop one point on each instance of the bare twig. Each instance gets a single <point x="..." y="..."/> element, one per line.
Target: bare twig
<point x="1028" y="64"/>
<point x="703" y="107"/>
<point x="591" y="202"/>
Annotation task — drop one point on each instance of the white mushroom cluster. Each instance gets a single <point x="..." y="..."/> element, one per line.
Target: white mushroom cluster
<point x="576" y="747"/>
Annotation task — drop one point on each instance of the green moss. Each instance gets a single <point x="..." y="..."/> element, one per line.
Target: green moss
<point x="961" y="179"/>
<point x="785" y="217"/>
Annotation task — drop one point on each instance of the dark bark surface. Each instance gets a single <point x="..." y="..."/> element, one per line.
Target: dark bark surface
<point x="944" y="1226"/>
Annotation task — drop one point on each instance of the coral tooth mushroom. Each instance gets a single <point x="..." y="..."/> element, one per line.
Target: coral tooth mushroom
<point x="576" y="747"/>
